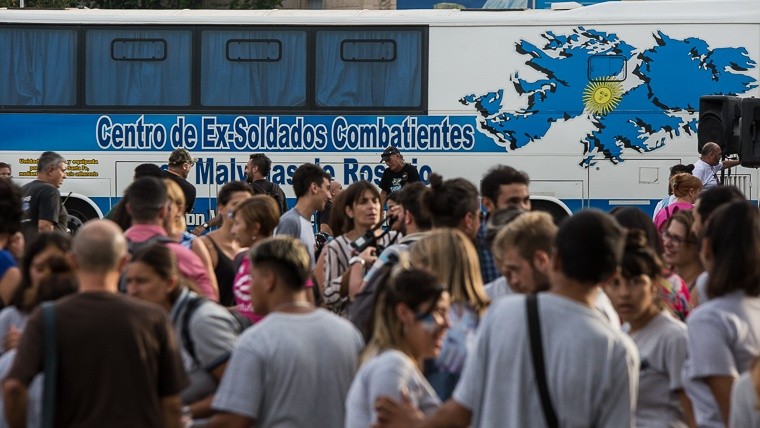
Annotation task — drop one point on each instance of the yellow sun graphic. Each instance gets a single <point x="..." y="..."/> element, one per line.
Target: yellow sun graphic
<point x="602" y="96"/>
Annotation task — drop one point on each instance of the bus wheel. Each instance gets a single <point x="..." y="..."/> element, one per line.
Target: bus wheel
<point x="555" y="210"/>
<point x="80" y="210"/>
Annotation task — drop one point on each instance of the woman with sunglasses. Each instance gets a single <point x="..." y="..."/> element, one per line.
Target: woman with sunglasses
<point x="411" y="319"/>
<point x="681" y="252"/>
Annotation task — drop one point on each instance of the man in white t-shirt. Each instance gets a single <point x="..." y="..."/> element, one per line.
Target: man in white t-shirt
<point x="523" y="250"/>
<point x="294" y="367"/>
<point x="311" y="185"/>
<point x="591" y="368"/>
<point x="709" y="165"/>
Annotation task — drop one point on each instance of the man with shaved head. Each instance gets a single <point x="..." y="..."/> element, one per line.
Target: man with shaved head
<point x="709" y="165"/>
<point x="118" y="361"/>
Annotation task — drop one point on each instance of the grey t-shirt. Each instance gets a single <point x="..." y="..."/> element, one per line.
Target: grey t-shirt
<point x="744" y="411"/>
<point x="592" y="369"/>
<point x="662" y="349"/>
<point x="498" y="288"/>
<point x="292" y="370"/>
<point x="387" y="374"/>
<point x="293" y="224"/>
<point x="724" y="339"/>
<point x="213" y="332"/>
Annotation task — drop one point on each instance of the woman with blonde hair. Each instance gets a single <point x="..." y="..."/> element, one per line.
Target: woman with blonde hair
<point x="176" y="228"/>
<point x="451" y="256"/>
<point x="686" y="188"/>
<point x="411" y="318"/>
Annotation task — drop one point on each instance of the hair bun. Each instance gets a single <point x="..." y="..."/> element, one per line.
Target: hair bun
<point x="635" y="239"/>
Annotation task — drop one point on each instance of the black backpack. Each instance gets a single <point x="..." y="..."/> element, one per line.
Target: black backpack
<point x="263" y="187"/>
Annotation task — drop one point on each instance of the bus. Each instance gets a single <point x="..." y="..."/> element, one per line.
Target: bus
<point x="595" y="103"/>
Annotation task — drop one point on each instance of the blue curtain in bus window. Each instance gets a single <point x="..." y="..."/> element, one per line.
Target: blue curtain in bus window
<point x="37" y="67"/>
<point x="138" y="67"/>
<point x="373" y="68"/>
<point x="253" y="68"/>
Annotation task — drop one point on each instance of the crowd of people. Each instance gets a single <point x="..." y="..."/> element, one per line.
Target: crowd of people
<point x="455" y="307"/>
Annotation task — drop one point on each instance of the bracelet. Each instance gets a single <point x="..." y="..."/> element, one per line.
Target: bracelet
<point x="186" y="412"/>
<point x="356" y="259"/>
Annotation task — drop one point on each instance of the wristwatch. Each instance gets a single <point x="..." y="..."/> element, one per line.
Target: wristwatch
<point x="356" y="259"/>
<point x="204" y="225"/>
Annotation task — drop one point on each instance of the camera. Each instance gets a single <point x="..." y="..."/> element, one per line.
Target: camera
<point x="370" y="238"/>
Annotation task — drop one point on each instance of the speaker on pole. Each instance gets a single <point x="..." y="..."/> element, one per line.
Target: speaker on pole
<point x="750" y="133"/>
<point x="719" y="122"/>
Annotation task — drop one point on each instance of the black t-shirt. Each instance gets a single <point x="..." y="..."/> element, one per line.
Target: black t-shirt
<point x="42" y="201"/>
<point x="262" y="186"/>
<point x="393" y="181"/>
<point x="187" y="188"/>
<point x="114" y="352"/>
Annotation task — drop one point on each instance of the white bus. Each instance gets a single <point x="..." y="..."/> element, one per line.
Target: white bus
<point x="595" y="103"/>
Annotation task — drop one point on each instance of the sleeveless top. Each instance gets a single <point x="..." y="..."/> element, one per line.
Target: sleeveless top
<point x="225" y="275"/>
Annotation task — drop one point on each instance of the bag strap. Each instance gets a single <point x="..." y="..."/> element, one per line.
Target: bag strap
<point x="50" y="364"/>
<point x="537" y="352"/>
<point x="192" y="304"/>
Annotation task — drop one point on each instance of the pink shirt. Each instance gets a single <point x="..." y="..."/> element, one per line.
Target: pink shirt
<point x="190" y="265"/>
<point x="241" y="289"/>
<point x="664" y="214"/>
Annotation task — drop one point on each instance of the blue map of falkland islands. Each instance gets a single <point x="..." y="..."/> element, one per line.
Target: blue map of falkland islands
<point x="672" y="75"/>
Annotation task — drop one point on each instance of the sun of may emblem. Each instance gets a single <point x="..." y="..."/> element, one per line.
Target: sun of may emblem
<point x="602" y="96"/>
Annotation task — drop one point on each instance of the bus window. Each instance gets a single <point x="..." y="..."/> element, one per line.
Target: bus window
<point x="368" y="50"/>
<point x="369" y="68"/>
<point x="253" y="68"/>
<point x="138" y="67"/>
<point x="38" y="67"/>
<point x="610" y="68"/>
<point x="138" y="50"/>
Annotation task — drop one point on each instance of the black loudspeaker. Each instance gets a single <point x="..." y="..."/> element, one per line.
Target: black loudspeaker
<point x="750" y="133"/>
<point x="719" y="122"/>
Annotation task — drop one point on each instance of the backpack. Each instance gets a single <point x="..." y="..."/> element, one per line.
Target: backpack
<point x="361" y="310"/>
<point x="263" y="187"/>
<point x="192" y="305"/>
<point x="135" y="247"/>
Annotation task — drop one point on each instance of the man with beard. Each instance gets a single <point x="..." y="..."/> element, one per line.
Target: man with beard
<point x="523" y="250"/>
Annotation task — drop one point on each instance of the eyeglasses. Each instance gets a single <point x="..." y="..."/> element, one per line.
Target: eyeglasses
<point x="674" y="239"/>
<point x="432" y="320"/>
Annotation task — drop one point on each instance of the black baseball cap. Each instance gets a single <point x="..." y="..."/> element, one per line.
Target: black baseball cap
<point x="390" y="150"/>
